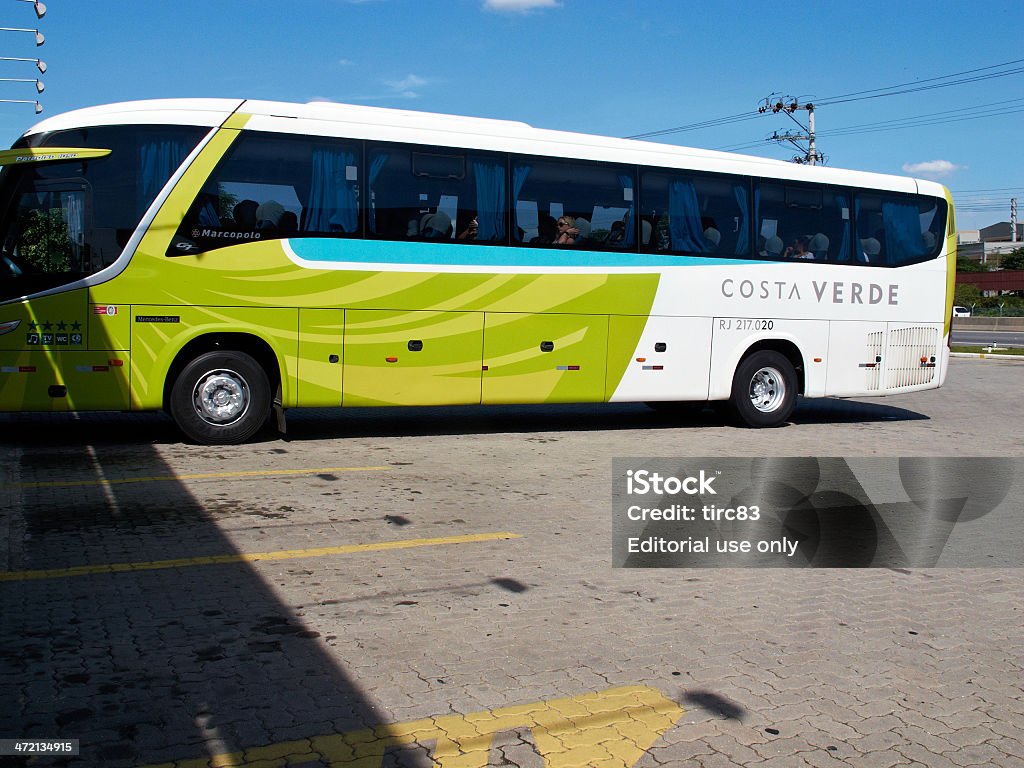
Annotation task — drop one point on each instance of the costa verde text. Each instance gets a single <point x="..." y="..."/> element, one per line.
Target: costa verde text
<point x="824" y="291"/>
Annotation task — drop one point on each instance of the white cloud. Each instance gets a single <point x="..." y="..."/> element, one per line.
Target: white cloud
<point x="519" y="6"/>
<point x="932" y="169"/>
<point x="407" y="86"/>
<point x="345" y="62"/>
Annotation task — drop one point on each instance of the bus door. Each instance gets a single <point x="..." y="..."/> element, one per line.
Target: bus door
<point x="53" y="355"/>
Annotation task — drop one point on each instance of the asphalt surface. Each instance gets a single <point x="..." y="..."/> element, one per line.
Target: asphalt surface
<point x="434" y="587"/>
<point x="1002" y="338"/>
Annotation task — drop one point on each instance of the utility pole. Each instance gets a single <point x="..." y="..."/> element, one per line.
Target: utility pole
<point x="1013" y="219"/>
<point x="812" y="152"/>
<point x="788" y="105"/>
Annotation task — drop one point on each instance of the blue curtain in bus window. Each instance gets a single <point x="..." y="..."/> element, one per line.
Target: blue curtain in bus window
<point x="519" y="174"/>
<point x="903" y="239"/>
<point x="627" y="184"/>
<point x="684" y="218"/>
<point x="844" y="247"/>
<point x="208" y="213"/>
<point x="490" y="200"/>
<point x="743" y="238"/>
<point x="376" y="166"/>
<point x="332" y="197"/>
<point x="158" y="159"/>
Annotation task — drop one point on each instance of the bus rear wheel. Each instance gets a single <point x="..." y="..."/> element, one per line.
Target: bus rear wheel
<point x="221" y="398"/>
<point x="764" y="390"/>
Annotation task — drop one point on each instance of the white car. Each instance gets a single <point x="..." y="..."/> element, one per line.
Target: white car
<point x="961" y="312"/>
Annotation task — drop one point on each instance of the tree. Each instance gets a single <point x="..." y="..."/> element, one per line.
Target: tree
<point x="226" y="202"/>
<point x="964" y="264"/>
<point x="44" y="245"/>
<point x="1013" y="260"/>
<point x="966" y="295"/>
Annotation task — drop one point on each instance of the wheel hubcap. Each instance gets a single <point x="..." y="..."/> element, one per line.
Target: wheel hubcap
<point x="221" y="397"/>
<point x="767" y="390"/>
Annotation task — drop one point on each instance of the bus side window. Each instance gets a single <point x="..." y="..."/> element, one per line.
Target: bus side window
<point x="906" y="228"/>
<point x="693" y="213"/>
<point x="598" y="198"/>
<point x="435" y="193"/>
<point x="812" y="222"/>
<point x="271" y="186"/>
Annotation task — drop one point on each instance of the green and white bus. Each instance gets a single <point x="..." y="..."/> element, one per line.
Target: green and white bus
<point x="222" y="259"/>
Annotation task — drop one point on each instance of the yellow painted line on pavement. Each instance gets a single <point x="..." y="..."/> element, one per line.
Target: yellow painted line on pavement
<point x="608" y="729"/>
<point x="195" y="476"/>
<point x="252" y="557"/>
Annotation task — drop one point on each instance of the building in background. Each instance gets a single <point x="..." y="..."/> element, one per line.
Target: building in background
<point x="988" y="244"/>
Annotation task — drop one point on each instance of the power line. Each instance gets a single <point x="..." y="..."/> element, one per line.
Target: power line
<point x="737" y="118"/>
<point x="991" y="189"/>
<point x="988" y="106"/>
<point x="846" y="96"/>
<point x="918" y="123"/>
<point x="991" y="109"/>
<point x="873" y="93"/>
<point x="1017" y="71"/>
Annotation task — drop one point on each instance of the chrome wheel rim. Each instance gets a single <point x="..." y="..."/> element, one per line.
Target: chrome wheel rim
<point x="767" y="390"/>
<point x="221" y="397"/>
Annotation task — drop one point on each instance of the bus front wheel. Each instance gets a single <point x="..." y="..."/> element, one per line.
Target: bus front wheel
<point x="221" y="398"/>
<point x="764" y="389"/>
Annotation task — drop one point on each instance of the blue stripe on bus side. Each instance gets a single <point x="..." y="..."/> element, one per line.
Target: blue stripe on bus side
<point x="450" y="254"/>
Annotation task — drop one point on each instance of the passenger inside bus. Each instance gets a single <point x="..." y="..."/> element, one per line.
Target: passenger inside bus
<point x="617" y="234"/>
<point x="289" y="224"/>
<point x="245" y="214"/>
<point x="798" y="250"/>
<point x="568" y="232"/>
<point x="547" y="230"/>
<point x="471" y="230"/>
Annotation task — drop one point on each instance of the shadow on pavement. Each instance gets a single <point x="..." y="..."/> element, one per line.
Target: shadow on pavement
<point x="320" y="424"/>
<point x="151" y="665"/>
<point x="714" y="704"/>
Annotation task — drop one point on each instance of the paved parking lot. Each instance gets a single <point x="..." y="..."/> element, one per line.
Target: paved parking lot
<point x="434" y="587"/>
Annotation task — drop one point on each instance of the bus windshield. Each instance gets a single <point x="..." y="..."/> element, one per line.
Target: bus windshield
<point x="63" y="221"/>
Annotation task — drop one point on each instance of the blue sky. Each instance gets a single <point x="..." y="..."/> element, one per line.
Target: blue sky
<point x="612" y="68"/>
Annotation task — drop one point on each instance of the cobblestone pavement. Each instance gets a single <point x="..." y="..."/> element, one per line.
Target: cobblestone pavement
<point x="414" y="588"/>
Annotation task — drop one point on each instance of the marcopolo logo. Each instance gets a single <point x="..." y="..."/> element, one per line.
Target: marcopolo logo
<point x="643" y="481"/>
<point x="226" y="235"/>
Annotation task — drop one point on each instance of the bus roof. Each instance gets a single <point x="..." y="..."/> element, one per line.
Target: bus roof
<point x="399" y="125"/>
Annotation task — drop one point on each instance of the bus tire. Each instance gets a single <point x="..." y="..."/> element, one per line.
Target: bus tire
<point x="221" y="398"/>
<point x="764" y="390"/>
